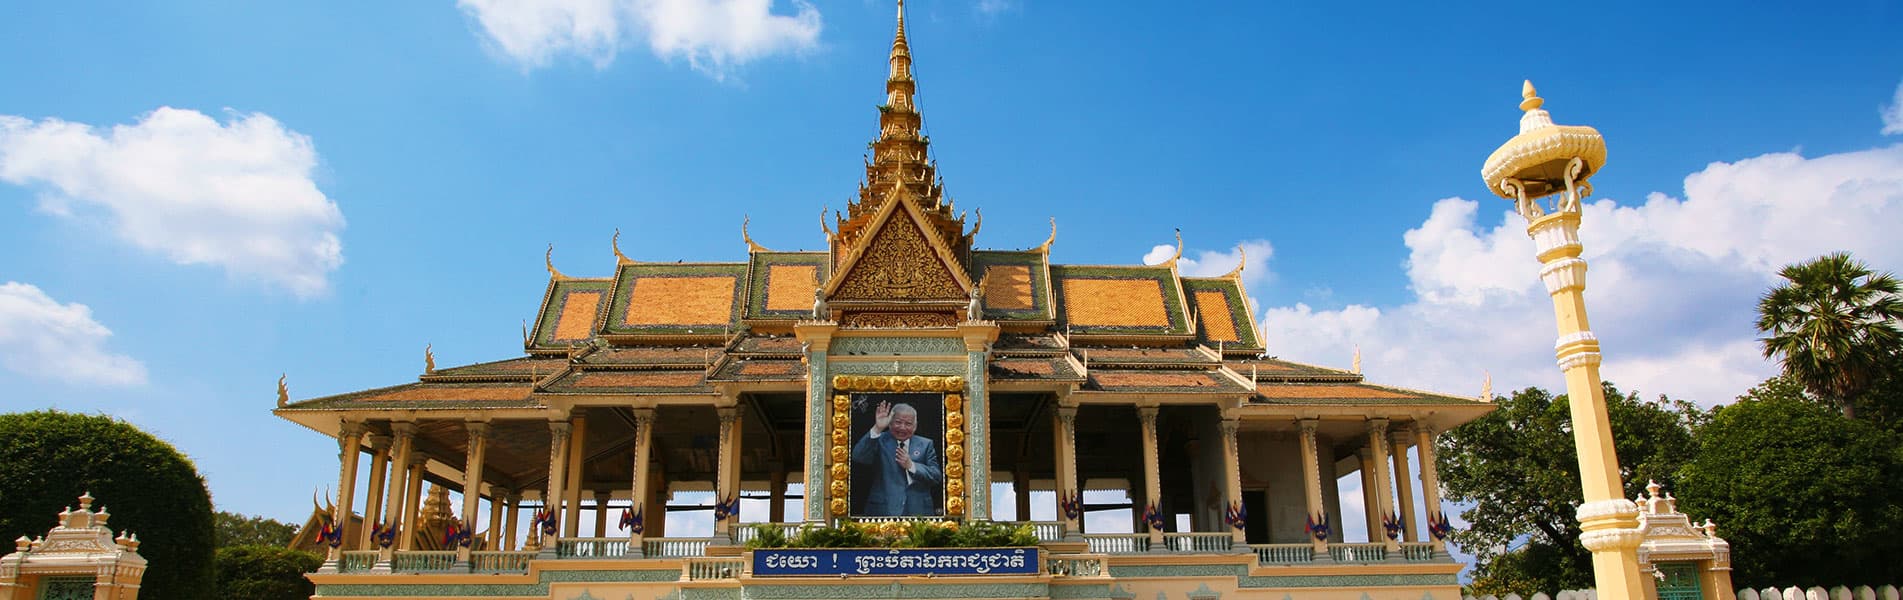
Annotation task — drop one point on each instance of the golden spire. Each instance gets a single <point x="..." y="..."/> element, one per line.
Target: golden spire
<point x="284" y="392"/>
<point x="429" y="358"/>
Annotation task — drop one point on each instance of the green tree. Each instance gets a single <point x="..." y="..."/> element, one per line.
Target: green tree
<point x="1833" y="325"/>
<point x="1518" y="466"/>
<point x="1804" y="496"/>
<point x="49" y="458"/>
<point x="233" y="529"/>
<point x="251" y="572"/>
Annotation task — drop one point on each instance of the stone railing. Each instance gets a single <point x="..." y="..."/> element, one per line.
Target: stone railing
<point x="356" y="561"/>
<point x="1284" y="554"/>
<point x="1048" y="531"/>
<point x="1118" y="543"/>
<point x="1076" y="565"/>
<point x="1197" y="542"/>
<point x="423" y="561"/>
<point x="1358" y="552"/>
<point x="1417" y="551"/>
<point x="675" y="547"/>
<point x="710" y="569"/>
<point x="1862" y="592"/>
<point x="615" y="547"/>
<point x="488" y="561"/>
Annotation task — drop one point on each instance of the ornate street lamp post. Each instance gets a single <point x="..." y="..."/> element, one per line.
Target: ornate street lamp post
<point x="1556" y="160"/>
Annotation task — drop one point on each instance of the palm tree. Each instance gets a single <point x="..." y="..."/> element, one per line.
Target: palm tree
<point x="1834" y="326"/>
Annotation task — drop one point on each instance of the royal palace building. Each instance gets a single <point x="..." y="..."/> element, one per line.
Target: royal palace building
<point x="896" y="376"/>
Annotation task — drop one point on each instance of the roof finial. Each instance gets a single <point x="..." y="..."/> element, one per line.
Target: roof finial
<point x="1486" y="387"/>
<point x="1531" y="99"/>
<point x="1046" y="246"/>
<point x="549" y="260"/>
<point x="615" y="242"/>
<point x="823" y="226"/>
<point x="429" y="359"/>
<point x="751" y="247"/>
<point x="1357" y="359"/>
<point x="284" y="393"/>
<point x="1243" y="260"/>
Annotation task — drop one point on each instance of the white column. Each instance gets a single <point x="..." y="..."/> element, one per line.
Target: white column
<point x="1152" y="484"/>
<point x="373" y="500"/>
<point x="1404" y="484"/>
<point x="349" y="445"/>
<point x="643" y="446"/>
<point x="557" y="478"/>
<point x="1430" y="479"/>
<point x="1378" y="448"/>
<point x="1312" y="483"/>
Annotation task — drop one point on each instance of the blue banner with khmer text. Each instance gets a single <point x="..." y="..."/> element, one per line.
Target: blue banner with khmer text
<point x="895" y="561"/>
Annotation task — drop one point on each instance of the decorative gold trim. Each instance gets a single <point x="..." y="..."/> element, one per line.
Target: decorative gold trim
<point x="953" y="387"/>
<point x="429" y="359"/>
<point x="284" y="393"/>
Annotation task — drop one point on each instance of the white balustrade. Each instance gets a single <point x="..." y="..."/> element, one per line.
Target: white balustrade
<point x="675" y="547"/>
<point x="1197" y="542"/>
<point x="615" y="547"/>
<point x="1048" y="531"/>
<point x="1358" y="552"/>
<point x="1417" y="551"/>
<point x="489" y="561"/>
<point x="423" y="561"/>
<point x="354" y="561"/>
<point x="1118" y="543"/>
<point x="1076" y="565"/>
<point x="705" y="569"/>
<point x="1283" y="554"/>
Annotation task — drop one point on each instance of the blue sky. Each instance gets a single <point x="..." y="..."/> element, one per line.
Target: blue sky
<point x="201" y="196"/>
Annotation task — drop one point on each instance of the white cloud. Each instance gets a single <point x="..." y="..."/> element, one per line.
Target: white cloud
<point x="238" y="195"/>
<point x="1208" y="263"/>
<point x="1893" y="114"/>
<point x="39" y="337"/>
<point x="712" y="35"/>
<point x="1672" y="289"/>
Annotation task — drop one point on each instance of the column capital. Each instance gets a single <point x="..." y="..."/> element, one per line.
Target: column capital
<point x="1377" y="425"/>
<point x="602" y="497"/>
<point x="1229" y="427"/>
<point x="643" y="417"/>
<point x="477" y="429"/>
<point x="1401" y="435"/>
<point x="403" y="430"/>
<point x="348" y="427"/>
<point x="728" y="414"/>
<point x="560" y="429"/>
<point x="419" y="459"/>
<point x="379" y="442"/>
<point x="1308" y="425"/>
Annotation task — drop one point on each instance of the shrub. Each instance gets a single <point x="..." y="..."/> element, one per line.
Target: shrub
<point x="265" y="573"/>
<point x="49" y="458"/>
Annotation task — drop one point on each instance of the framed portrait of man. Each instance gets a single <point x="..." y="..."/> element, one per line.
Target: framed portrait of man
<point x="898" y="463"/>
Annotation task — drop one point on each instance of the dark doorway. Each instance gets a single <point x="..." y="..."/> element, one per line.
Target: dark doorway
<point x="1256" y="526"/>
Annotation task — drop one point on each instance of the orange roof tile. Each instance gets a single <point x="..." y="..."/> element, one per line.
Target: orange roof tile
<point x="1326" y="391"/>
<point x="1114" y="302"/>
<point x="609" y="379"/>
<point x="680" y="301"/>
<point x="790" y="287"/>
<point x="577" y="320"/>
<point x="1009" y="287"/>
<point x="778" y="367"/>
<point x="446" y="392"/>
<point x="1217" y="325"/>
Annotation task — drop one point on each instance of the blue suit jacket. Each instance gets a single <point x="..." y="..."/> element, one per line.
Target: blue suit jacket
<point x="888" y="494"/>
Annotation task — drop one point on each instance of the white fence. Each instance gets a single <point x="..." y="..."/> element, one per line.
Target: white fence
<point x="1862" y="592"/>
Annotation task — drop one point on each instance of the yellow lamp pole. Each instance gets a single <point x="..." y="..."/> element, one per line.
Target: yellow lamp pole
<point x="1556" y="160"/>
